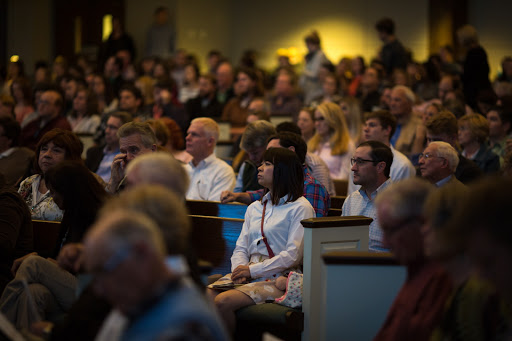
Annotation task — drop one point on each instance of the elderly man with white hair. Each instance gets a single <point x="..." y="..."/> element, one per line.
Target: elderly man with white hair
<point x="158" y="168"/>
<point x="438" y="163"/>
<point x="209" y="175"/>
<point x="408" y="137"/>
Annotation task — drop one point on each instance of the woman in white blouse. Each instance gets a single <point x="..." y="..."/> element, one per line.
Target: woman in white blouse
<point x="270" y="243"/>
<point x="331" y="141"/>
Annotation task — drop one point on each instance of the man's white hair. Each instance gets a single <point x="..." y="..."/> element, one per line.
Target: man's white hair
<point x="447" y="152"/>
<point x="211" y="128"/>
<point x="162" y="169"/>
<point x="409" y="94"/>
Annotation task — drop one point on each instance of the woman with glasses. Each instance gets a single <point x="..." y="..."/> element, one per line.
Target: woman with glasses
<point x="331" y="141"/>
<point x="270" y="243"/>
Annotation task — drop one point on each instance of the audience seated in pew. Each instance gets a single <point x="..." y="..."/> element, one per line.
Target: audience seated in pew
<point x="314" y="192"/>
<point x="271" y="239"/>
<point x="54" y="147"/>
<point x="209" y="175"/>
<point x="418" y="307"/>
<point x="46" y="282"/>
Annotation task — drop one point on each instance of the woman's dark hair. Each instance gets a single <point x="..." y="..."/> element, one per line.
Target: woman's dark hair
<point x="26" y="88"/>
<point x="258" y="90"/>
<point x="288" y="176"/>
<point x="64" y="139"/>
<point x="92" y="103"/>
<point x="81" y="194"/>
<point x="108" y="95"/>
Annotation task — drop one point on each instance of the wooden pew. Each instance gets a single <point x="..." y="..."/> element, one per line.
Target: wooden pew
<point x="237" y="210"/>
<point x="337" y="201"/>
<point x="216" y="209"/>
<point x="357" y="292"/>
<point x="214" y="239"/>
<point x="46" y="237"/>
<point x="341" y="187"/>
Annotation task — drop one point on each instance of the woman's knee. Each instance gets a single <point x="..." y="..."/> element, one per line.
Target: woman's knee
<point x="232" y="300"/>
<point x="30" y="266"/>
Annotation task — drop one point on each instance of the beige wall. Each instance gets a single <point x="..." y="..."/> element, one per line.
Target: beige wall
<point x="346" y="28"/>
<point x="29" y="31"/>
<point x="493" y="23"/>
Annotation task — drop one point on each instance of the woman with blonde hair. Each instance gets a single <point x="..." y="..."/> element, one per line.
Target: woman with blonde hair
<point x="331" y="141"/>
<point x="351" y="109"/>
<point x="473" y="134"/>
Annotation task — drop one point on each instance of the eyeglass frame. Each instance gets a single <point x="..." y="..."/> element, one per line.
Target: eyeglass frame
<point x="360" y="161"/>
<point x="427" y="156"/>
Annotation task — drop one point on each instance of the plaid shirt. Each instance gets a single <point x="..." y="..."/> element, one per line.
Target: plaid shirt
<point x="314" y="191"/>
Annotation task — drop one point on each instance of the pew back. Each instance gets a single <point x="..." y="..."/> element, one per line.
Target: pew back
<point x="46" y="237"/>
<point x="322" y="235"/>
<point x="216" y="209"/>
<point x="357" y="293"/>
<point x="214" y="239"/>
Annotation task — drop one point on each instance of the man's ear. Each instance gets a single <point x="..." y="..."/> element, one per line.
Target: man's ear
<point x="506" y="125"/>
<point x="388" y="130"/>
<point x="211" y="141"/>
<point x="292" y="148"/>
<point x="381" y="166"/>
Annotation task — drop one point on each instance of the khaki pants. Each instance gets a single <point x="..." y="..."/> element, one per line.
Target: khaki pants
<point x="50" y="292"/>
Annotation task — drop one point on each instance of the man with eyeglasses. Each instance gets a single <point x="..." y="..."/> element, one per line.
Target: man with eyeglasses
<point x="99" y="158"/>
<point x="438" y="163"/>
<point x="371" y="165"/>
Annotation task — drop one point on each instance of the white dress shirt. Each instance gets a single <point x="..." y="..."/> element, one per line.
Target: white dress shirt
<point x="209" y="179"/>
<point x="284" y="234"/>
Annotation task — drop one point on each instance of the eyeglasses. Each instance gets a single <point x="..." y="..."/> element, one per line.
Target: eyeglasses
<point x="321" y="118"/>
<point x="426" y="156"/>
<point x="359" y="161"/>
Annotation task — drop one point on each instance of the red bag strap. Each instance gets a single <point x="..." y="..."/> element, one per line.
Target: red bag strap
<point x="269" y="250"/>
